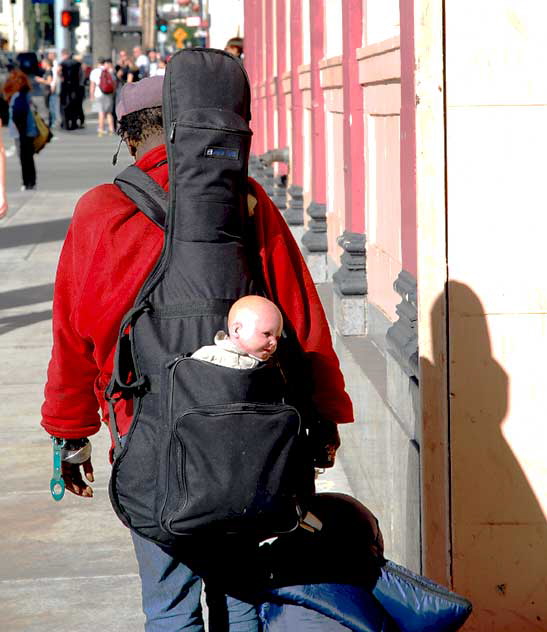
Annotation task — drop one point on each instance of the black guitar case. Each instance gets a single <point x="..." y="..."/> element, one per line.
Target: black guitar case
<point x="210" y="448"/>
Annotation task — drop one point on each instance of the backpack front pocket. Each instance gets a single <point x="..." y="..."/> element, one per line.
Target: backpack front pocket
<point x="231" y="469"/>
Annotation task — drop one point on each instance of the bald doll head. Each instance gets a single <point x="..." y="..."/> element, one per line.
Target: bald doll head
<point x="254" y="326"/>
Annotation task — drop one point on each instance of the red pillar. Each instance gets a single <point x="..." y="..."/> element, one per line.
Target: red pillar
<point x="354" y="174"/>
<point x="281" y="67"/>
<point x="260" y="119"/>
<point x="252" y="64"/>
<point x="269" y="97"/>
<point x="408" y="140"/>
<point x="250" y="47"/>
<point x="318" y="175"/>
<point x="297" y="158"/>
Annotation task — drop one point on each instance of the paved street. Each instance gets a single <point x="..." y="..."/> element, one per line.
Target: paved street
<point x="66" y="566"/>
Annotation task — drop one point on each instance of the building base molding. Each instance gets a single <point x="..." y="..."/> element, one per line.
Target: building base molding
<point x="294" y="214"/>
<point x="280" y="193"/>
<point x="402" y="357"/>
<point x="350" y="286"/>
<point x="402" y="336"/>
<point x="256" y="168"/>
<point x="315" y="243"/>
<point x="268" y="181"/>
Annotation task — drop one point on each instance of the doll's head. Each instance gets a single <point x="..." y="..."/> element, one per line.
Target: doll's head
<point x="254" y="326"/>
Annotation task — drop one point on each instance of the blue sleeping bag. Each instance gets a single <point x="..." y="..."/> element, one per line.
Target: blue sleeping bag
<point x="337" y="579"/>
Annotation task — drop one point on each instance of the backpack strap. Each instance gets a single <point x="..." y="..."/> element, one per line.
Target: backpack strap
<point x="145" y="192"/>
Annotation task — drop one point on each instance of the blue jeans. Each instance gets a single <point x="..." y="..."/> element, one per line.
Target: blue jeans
<point x="171" y="593"/>
<point x="53" y="107"/>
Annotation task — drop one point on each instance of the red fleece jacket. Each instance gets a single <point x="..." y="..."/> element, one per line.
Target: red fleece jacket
<point x="108" y="252"/>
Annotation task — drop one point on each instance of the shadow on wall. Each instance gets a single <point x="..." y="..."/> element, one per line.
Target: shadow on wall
<point x="499" y="532"/>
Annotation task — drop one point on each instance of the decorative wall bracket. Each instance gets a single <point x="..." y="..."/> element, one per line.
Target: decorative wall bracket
<point x="277" y="185"/>
<point x="295" y="208"/>
<point x="402" y="336"/>
<point x="256" y="168"/>
<point x="350" y="286"/>
<point x="315" y="243"/>
<point x="280" y="193"/>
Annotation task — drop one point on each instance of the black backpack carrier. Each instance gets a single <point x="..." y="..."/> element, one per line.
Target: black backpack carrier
<point x="210" y="448"/>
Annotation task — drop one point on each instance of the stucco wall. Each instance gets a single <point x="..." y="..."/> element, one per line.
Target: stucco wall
<point x="496" y="134"/>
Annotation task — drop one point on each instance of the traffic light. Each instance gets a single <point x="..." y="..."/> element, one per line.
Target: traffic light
<point x="70" y="19"/>
<point x="162" y="25"/>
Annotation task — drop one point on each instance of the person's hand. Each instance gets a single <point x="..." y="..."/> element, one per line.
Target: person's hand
<point x="74" y="482"/>
<point x="324" y="441"/>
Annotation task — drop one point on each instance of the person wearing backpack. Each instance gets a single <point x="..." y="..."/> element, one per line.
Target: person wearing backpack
<point x="102" y="85"/>
<point x="22" y="126"/>
<point x="110" y="249"/>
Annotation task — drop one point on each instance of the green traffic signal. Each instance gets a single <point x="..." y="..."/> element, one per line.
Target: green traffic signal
<point x="162" y="25"/>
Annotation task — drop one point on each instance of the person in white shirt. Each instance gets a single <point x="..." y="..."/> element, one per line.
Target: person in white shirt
<point x="101" y="92"/>
<point x="142" y="62"/>
<point x="55" y="86"/>
<point x="161" y="66"/>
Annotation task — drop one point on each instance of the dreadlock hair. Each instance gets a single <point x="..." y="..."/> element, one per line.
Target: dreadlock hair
<point x="136" y="127"/>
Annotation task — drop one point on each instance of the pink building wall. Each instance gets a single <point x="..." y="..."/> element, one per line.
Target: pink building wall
<point x="380" y="76"/>
<point x="332" y="84"/>
<point x="408" y="140"/>
<point x="295" y="96"/>
<point x="353" y="112"/>
<point x="348" y="121"/>
<point x="317" y="105"/>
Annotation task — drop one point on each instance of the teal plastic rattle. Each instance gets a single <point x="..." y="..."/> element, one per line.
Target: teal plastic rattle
<point x="57" y="484"/>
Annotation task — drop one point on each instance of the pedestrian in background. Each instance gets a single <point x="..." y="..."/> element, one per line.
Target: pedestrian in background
<point x="126" y="72"/>
<point x="102" y="86"/>
<point x="3" y="198"/>
<point x="71" y="94"/>
<point x="48" y="86"/>
<point x="22" y="127"/>
<point x="55" y="89"/>
<point x="153" y="59"/>
<point x="234" y="46"/>
<point x="82" y="77"/>
<point x="141" y="62"/>
<point x="161" y="66"/>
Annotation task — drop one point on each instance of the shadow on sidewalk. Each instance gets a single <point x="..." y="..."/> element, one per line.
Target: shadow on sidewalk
<point x="9" y="323"/>
<point x="37" y="233"/>
<point x="26" y="296"/>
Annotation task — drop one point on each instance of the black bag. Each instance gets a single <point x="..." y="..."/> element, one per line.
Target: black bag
<point x="342" y="580"/>
<point x="210" y="449"/>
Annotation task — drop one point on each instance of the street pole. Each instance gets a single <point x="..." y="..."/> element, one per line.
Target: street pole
<point x="101" y="42"/>
<point x="61" y="33"/>
<point x="12" y="43"/>
<point x="148" y="22"/>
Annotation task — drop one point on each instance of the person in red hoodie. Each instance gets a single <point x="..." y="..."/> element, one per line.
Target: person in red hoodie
<point x="108" y="253"/>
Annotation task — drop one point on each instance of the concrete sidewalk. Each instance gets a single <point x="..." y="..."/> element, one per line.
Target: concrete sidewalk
<point x="66" y="566"/>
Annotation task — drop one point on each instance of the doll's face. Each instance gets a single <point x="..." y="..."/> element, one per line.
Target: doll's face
<point x="256" y="331"/>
